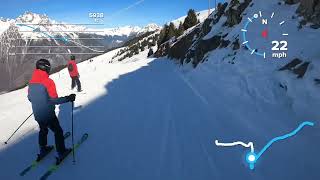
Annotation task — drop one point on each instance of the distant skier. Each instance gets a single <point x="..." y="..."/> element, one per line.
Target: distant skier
<point x="43" y="96"/>
<point x="74" y="74"/>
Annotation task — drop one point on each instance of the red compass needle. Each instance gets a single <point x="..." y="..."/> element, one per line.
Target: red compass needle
<point x="264" y="33"/>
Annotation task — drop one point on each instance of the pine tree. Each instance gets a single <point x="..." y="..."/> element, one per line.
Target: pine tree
<point x="191" y="20"/>
<point x="180" y="30"/>
<point x="163" y="35"/>
<point x="171" y="31"/>
<point x="235" y="2"/>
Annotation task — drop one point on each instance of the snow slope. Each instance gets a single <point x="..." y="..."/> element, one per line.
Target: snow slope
<point x="148" y="119"/>
<point x="151" y="119"/>
<point x="301" y="44"/>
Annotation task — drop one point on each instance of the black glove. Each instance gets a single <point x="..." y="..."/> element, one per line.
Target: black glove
<point x="71" y="97"/>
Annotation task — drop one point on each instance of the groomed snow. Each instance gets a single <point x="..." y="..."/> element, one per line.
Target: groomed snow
<point x="152" y="119"/>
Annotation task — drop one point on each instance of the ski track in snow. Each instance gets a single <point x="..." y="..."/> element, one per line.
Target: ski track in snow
<point x="194" y="90"/>
<point x="149" y="119"/>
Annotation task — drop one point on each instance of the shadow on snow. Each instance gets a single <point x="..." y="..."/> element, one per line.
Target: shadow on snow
<point x="151" y="126"/>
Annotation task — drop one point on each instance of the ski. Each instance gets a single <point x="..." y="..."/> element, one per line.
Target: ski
<point x="36" y="162"/>
<point x="55" y="167"/>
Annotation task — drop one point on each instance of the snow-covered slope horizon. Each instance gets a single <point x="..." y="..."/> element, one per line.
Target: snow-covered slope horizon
<point x="128" y="30"/>
<point x="201" y="15"/>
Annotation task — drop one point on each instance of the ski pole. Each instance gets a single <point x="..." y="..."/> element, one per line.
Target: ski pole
<point x="74" y="160"/>
<point x="18" y="128"/>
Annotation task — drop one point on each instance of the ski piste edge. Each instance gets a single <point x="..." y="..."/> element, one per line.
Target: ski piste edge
<point x="55" y="167"/>
<point x="35" y="163"/>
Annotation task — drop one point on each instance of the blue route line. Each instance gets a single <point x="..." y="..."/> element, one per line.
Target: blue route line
<point x="268" y="145"/>
<point x="64" y="39"/>
<point x="307" y="123"/>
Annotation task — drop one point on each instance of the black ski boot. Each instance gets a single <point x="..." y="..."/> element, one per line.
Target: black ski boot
<point x="63" y="155"/>
<point x="43" y="152"/>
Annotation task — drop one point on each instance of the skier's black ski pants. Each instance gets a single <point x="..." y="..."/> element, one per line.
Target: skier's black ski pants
<point x="75" y="81"/>
<point x="54" y="126"/>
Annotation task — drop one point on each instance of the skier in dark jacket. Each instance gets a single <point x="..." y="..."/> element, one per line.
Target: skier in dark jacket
<point x="43" y="96"/>
<point x="74" y="73"/>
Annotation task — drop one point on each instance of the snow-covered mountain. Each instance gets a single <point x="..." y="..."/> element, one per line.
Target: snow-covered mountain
<point x="129" y="30"/>
<point x="149" y="40"/>
<point x="24" y="39"/>
<point x="120" y="31"/>
<point x="149" y="28"/>
<point x="4" y="24"/>
<point x="43" y="23"/>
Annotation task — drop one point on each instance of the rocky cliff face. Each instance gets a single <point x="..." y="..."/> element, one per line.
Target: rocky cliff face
<point x="193" y="46"/>
<point x="309" y="10"/>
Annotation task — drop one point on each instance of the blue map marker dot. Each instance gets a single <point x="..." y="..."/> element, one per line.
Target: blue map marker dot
<point x="251" y="159"/>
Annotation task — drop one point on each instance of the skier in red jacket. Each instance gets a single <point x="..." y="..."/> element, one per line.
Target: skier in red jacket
<point x="43" y="96"/>
<point x="74" y="73"/>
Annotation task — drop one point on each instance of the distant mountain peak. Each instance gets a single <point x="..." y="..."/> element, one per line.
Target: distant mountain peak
<point x="33" y="18"/>
<point x="151" y="27"/>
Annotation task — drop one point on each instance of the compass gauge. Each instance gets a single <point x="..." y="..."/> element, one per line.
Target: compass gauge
<point x="263" y="36"/>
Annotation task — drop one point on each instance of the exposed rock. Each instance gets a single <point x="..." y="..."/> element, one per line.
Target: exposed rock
<point x="203" y="47"/>
<point x="290" y="2"/>
<point x="234" y="12"/>
<point x="236" y="44"/>
<point x="192" y="48"/>
<point x="301" y="70"/>
<point x="224" y="43"/>
<point x="163" y="50"/>
<point x="209" y="22"/>
<point x="310" y="10"/>
<point x="181" y="48"/>
<point x="306" y="8"/>
<point x="315" y="26"/>
<point x="220" y="8"/>
<point x="150" y="53"/>
<point x="317" y="81"/>
<point x="291" y="65"/>
<point x="233" y="17"/>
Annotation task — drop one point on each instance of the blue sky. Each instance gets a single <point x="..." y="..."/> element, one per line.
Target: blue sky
<point x="117" y="13"/>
